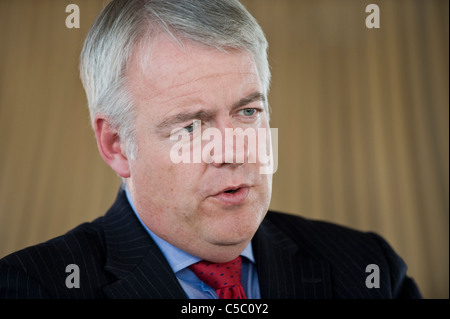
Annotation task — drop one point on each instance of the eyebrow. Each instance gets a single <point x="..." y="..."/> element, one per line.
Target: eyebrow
<point x="256" y="96"/>
<point x="184" y="117"/>
<point x="204" y="115"/>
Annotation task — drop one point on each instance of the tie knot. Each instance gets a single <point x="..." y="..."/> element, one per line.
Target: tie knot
<point x="225" y="278"/>
<point x="218" y="275"/>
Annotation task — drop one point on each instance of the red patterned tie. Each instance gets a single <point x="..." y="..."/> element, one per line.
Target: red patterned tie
<point x="224" y="278"/>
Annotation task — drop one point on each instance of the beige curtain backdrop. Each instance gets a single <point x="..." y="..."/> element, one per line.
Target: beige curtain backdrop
<point x="362" y="116"/>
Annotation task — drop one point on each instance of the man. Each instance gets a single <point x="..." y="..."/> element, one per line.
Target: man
<point x="159" y="75"/>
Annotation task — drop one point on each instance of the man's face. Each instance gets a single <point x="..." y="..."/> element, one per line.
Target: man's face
<point x="190" y="204"/>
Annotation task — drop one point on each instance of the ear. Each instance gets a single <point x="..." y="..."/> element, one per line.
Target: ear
<point x="110" y="146"/>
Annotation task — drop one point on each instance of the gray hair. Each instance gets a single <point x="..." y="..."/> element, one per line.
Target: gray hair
<point x="122" y="24"/>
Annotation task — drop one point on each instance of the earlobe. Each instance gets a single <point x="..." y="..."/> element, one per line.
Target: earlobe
<point x="110" y="146"/>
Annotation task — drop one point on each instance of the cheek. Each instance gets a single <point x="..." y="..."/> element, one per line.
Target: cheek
<point x="155" y="177"/>
<point x="149" y="174"/>
<point x="165" y="185"/>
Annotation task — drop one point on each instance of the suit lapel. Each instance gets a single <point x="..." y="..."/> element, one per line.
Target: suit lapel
<point x="151" y="279"/>
<point x="284" y="270"/>
<point x="134" y="259"/>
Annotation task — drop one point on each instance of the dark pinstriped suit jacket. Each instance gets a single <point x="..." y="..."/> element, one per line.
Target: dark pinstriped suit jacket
<point x="295" y="258"/>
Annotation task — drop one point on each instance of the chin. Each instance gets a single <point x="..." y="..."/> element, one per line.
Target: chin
<point x="230" y="240"/>
<point x="234" y="233"/>
<point x="232" y="229"/>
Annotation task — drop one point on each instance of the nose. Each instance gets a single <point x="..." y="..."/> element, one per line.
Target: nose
<point x="232" y="149"/>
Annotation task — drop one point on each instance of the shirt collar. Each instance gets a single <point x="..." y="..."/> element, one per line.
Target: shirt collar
<point x="177" y="258"/>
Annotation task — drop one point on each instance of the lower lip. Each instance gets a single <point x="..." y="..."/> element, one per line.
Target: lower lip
<point x="232" y="199"/>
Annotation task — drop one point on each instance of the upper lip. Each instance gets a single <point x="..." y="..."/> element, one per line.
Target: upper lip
<point x="229" y="188"/>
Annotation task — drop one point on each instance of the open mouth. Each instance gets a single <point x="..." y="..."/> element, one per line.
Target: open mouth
<point x="233" y="196"/>
<point x="232" y="191"/>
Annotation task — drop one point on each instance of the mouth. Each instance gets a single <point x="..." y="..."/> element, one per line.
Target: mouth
<point x="232" y="196"/>
<point x="232" y="191"/>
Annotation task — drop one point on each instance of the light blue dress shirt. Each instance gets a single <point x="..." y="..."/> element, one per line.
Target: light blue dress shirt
<point x="194" y="288"/>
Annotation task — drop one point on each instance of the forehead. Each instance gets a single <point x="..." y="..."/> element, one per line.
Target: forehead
<point x="163" y="68"/>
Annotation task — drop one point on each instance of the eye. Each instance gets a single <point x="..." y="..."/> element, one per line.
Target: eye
<point x="192" y="127"/>
<point x="248" y="112"/>
<point x="190" y="131"/>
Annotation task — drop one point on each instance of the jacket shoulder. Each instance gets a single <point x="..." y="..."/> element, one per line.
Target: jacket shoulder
<point x="40" y="271"/>
<point x="297" y="226"/>
<point x="326" y="239"/>
<point x="347" y="250"/>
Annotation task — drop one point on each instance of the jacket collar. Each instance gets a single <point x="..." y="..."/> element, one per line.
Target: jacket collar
<point x="134" y="259"/>
<point x="285" y="270"/>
